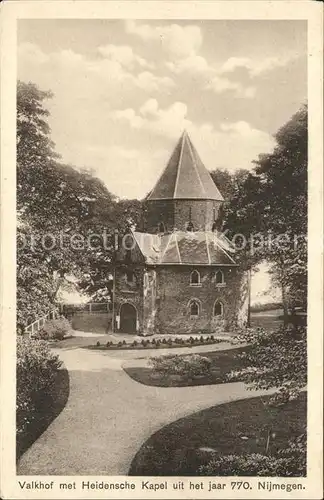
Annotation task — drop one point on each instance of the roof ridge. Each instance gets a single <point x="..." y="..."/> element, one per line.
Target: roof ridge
<point x="195" y="165"/>
<point x="179" y="165"/>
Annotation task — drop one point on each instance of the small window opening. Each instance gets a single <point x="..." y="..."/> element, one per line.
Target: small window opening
<point x="130" y="277"/>
<point x="218" y="309"/>
<point x="161" y="227"/>
<point x="128" y="256"/>
<point x="195" y="278"/>
<point x="219" y="277"/>
<point x="194" y="308"/>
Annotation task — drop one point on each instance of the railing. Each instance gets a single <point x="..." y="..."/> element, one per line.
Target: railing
<point x="40" y="322"/>
<point x="67" y="309"/>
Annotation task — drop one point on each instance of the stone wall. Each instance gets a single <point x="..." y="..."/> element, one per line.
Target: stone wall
<point x="149" y="302"/>
<point x="129" y="292"/>
<point x="175" y="293"/>
<point x="201" y="212"/>
<point x="175" y="214"/>
<point x="157" y="211"/>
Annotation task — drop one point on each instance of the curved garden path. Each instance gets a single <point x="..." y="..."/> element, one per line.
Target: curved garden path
<point x="108" y="415"/>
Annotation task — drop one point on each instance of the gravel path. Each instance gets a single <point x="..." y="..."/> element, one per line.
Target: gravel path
<point x="108" y="415"/>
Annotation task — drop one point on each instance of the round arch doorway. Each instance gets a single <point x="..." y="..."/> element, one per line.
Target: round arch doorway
<point x="128" y="316"/>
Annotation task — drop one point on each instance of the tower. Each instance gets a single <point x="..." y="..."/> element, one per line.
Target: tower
<point x="185" y="197"/>
<point x="179" y="275"/>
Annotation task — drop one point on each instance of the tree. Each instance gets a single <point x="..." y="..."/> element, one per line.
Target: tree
<point x="66" y="216"/>
<point x="275" y="360"/>
<point x="283" y="174"/>
<point x="268" y="207"/>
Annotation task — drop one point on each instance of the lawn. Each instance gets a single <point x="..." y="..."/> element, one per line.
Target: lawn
<point x="222" y="363"/>
<point x="239" y="427"/>
<point x="269" y="320"/>
<point x="48" y="409"/>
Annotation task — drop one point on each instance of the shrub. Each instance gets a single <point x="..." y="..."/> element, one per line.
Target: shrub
<point x="55" y="329"/>
<point x="191" y="365"/>
<point x="98" y="344"/>
<point x="37" y="368"/>
<point x="255" y="464"/>
<point x="135" y="343"/>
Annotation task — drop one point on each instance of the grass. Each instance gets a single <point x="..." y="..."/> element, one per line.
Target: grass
<point x="269" y="320"/>
<point x="239" y="427"/>
<point x="222" y="363"/>
<point x="48" y="409"/>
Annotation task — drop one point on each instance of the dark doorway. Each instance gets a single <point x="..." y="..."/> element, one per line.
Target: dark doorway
<point x="127" y="318"/>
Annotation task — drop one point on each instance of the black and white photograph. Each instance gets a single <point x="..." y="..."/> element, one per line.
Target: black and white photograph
<point x="163" y="256"/>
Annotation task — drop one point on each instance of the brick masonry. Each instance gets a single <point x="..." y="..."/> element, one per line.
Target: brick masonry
<point x="161" y="294"/>
<point x="176" y="214"/>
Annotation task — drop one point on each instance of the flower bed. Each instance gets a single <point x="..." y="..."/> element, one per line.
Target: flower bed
<point x="167" y="343"/>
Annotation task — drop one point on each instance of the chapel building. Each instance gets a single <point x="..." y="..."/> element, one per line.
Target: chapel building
<point x="178" y="274"/>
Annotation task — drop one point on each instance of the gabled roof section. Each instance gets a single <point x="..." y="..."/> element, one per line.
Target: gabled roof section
<point x="185" y="176"/>
<point x="185" y="248"/>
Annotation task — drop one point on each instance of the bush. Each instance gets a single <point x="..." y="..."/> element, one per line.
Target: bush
<point x="36" y="369"/>
<point x="55" y="329"/>
<point x="255" y="464"/>
<point x="192" y="365"/>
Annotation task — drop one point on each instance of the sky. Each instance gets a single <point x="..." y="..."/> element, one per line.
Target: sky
<point x="124" y="90"/>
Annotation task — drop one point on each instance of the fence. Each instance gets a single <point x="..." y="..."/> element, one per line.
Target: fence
<point x="89" y="307"/>
<point x="73" y="312"/>
<point x="34" y="327"/>
<point x="93" y="317"/>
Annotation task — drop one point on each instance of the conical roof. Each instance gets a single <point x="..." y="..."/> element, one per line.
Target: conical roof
<point x="185" y="176"/>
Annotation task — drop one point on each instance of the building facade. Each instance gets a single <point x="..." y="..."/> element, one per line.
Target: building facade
<point x="179" y="274"/>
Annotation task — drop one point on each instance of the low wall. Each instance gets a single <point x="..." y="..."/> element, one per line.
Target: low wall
<point x="96" y="322"/>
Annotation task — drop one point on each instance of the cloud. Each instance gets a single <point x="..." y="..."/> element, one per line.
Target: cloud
<point x="168" y="122"/>
<point x="115" y="67"/>
<point x="178" y="41"/>
<point x="257" y="67"/>
<point x="124" y="55"/>
<point x="230" y="145"/>
<point x="220" y="84"/>
<point x="191" y="64"/>
<point x="127" y="172"/>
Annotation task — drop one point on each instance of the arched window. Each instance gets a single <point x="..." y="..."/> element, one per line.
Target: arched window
<point x="195" y="278"/>
<point x="194" y="308"/>
<point x="218" y="309"/>
<point x="219" y="277"/>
